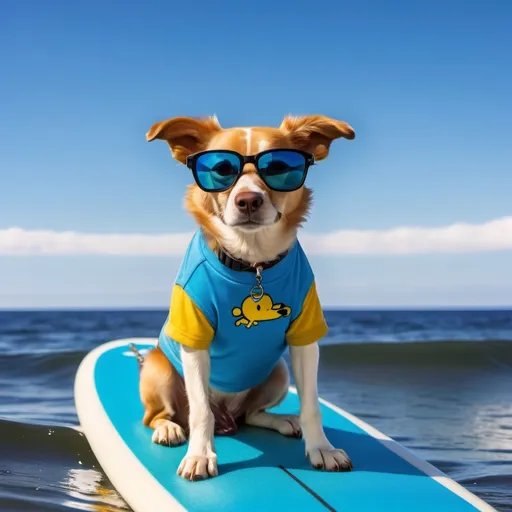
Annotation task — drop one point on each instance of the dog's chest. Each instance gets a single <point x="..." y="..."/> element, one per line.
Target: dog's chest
<point x="248" y="340"/>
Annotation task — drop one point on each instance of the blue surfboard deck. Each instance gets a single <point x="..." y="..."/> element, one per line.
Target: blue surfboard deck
<point x="258" y="469"/>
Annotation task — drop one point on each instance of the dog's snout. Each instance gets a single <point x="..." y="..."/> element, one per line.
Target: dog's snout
<point x="248" y="202"/>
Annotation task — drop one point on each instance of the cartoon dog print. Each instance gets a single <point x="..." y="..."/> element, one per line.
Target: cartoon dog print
<point x="252" y="312"/>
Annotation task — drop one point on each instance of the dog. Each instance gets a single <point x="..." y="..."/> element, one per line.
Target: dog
<point x="244" y="292"/>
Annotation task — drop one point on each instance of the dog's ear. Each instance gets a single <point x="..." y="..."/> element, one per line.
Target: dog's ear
<point x="185" y="135"/>
<point x="315" y="133"/>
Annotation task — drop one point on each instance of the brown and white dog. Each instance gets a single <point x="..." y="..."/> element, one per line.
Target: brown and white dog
<point x="176" y="407"/>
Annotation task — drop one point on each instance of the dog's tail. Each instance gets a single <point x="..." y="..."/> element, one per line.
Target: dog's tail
<point x="138" y="355"/>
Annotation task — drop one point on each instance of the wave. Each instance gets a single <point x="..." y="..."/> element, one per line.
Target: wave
<point x="51" y="468"/>
<point x="43" y="361"/>
<point x="57" y="440"/>
<point x="490" y="353"/>
<point x="478" y="354"/>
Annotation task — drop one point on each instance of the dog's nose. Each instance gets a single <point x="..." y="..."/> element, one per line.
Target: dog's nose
<point x="248" y="202"/>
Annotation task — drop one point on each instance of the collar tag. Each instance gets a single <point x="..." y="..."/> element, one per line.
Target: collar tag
<point x="257" y="290"/>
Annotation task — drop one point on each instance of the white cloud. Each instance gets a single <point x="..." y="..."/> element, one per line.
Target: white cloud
<point x="495" y="235"/>
<point x="16" y="241"/>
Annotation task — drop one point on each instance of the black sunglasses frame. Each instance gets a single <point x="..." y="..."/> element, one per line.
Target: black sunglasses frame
<point x="191" y="161"/>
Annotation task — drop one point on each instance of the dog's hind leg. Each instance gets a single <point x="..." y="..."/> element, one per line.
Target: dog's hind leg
<point x="268" y="394"/>
<point x="164" y="399"/>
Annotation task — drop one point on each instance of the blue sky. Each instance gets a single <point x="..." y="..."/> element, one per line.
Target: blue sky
<point x="426" y="86"/>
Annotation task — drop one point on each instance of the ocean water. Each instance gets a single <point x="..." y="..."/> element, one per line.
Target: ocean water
<point x="439" y="382"/>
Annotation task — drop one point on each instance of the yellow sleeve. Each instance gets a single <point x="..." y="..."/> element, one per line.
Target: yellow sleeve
<point x="310" y="325"/>
<point x="187" y="323"/>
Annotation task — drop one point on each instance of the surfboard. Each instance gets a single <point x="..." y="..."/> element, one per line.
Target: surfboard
<point x="258" y="469"/>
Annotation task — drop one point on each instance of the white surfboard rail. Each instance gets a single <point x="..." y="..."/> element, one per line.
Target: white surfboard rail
<point x="117" y="458"/>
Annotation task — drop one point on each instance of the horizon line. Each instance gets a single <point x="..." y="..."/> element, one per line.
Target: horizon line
<point x="99" y="309"/>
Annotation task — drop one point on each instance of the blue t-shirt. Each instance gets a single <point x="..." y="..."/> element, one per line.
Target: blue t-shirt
<point x="212" y="309"/>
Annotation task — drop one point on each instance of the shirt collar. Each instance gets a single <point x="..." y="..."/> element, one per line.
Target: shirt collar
<point x="277" y="270"/>
<point x="244" y="266"/>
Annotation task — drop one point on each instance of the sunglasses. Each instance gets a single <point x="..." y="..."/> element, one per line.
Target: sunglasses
<point x="283" y="170"/>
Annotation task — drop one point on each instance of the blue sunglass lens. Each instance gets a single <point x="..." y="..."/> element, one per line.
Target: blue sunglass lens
<point x="282" y="170"/>
<point x="217" y="170"/>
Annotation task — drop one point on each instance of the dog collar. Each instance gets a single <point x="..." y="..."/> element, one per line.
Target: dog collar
<point x="244" y="266"/>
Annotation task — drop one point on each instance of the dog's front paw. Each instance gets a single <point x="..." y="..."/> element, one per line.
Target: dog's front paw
<point x="168" y="433"/>
<point x="329" y="458"/>
<point x="198" y="467"/>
